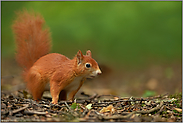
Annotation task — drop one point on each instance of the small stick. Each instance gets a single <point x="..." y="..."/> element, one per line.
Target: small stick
<point x="34" y="112"/>
<point x="107" y="95"/>
<point x="63" y="102"/>
<point x="93" y="97"/>
<point x="67" y="105"/>
<point x="20" y="109"/>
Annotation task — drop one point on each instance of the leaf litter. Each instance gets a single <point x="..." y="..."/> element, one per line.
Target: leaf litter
<point x="15" y="107"/>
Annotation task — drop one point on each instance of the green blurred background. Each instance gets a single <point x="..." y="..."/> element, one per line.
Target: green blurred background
<point x="123" y="36"/>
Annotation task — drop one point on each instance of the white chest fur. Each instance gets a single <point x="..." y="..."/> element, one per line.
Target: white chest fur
<point x="74" y="85"/>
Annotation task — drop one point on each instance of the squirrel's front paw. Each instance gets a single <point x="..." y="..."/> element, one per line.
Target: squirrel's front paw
<point x="54" y="102"/>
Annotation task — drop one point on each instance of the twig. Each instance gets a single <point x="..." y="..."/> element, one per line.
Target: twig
<point x="67" y="105"/>
<point x="84" y="94"/>
<point x="161" y="109"/>
<point x="151" y="110"/>
<point x="93" y="97"/>
<point x="101" y="105"/>
<point x="34" y="112"/>
<point x="63" y="102"/>
<point x="116" y="101"/>
<point x="85" y="111"/>
<point x="20" y="109"/>
<point x="158" y="96"/>
<point x="75" y="114"/>
<point x="107" y="95"/>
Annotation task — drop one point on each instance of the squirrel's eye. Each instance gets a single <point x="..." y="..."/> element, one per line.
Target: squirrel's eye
<point x="88" y="65"/>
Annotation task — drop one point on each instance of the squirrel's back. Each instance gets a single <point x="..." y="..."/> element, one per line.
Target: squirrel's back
<point x="32" y="41"/>
<point x="51" y="62"/>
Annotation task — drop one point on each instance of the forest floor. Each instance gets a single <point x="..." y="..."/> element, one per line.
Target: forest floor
<point x="135" y="95"/>
<point x="16" y="107"/>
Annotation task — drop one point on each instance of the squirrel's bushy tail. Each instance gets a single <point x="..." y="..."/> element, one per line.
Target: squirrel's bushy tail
<point x="32" y="41"/>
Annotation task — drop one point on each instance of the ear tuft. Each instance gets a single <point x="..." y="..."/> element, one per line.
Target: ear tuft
<point x="79" y="57"/>
<point x="88" y="53"/>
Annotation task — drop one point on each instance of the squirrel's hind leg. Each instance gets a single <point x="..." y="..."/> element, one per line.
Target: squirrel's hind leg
<point x="35" y="84"/>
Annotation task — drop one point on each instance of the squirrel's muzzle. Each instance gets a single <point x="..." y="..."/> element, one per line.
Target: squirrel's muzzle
<point x="98" y="72"/>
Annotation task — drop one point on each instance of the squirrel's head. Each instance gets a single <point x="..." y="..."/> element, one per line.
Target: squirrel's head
<point x="86" y="65"/>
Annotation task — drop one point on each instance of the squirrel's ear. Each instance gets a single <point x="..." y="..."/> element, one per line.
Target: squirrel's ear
<point x="88" y="53"/>
<point x="79" y="57"/>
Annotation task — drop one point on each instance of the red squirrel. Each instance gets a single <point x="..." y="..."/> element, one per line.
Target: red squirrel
<point x="33" y="43"/>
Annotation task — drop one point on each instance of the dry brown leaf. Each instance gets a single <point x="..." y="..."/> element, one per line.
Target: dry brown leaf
<point x="116" y="98"/>
<point x="109" y="108"/>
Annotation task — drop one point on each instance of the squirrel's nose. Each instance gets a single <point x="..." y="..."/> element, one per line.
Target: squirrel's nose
<point x="99" y="72"/>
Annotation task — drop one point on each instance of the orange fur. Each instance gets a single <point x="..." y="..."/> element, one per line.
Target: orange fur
<point x="65" y="75"/>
